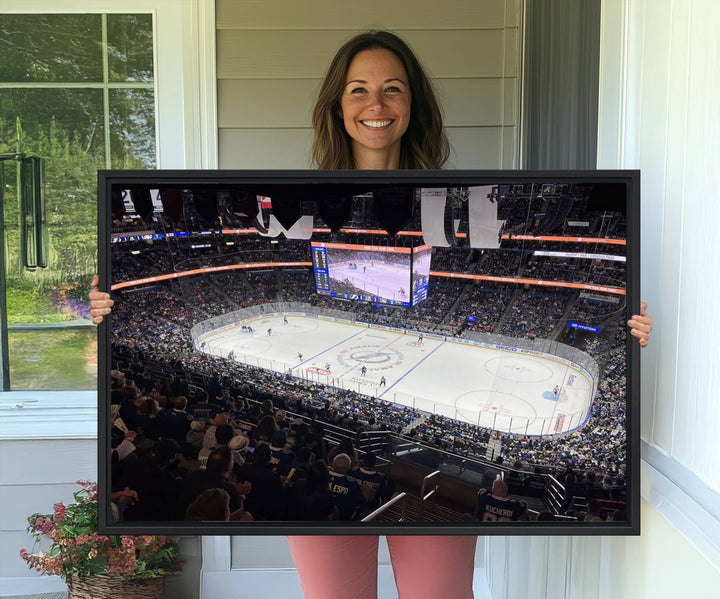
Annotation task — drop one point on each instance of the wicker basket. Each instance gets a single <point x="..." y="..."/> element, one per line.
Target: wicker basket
<point x="116" y="587"/>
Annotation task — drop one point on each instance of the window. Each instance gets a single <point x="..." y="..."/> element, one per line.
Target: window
<point x="77" y="90"/>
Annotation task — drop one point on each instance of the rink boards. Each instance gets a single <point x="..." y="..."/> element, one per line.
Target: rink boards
<point x="496" y="386"/>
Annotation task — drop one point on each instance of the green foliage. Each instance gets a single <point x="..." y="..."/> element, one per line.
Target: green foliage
<point x="26" y="303"/>
<point x="70" y="194"/>
<point x="77" y="550"/>
<point x="66" y="127"/>
<point x="54" y="359"/>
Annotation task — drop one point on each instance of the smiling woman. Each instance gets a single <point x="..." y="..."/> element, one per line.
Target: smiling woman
<point x="375" y="78"/>
<point x="347" y="139"/>
<point x="375" y="108"/>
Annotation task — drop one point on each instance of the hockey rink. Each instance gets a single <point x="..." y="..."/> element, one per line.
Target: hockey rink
<point x="375" y="278"/>
<point x="501" y="389"/>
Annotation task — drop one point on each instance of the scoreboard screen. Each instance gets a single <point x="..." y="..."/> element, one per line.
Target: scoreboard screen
<point x="395" y="276"/>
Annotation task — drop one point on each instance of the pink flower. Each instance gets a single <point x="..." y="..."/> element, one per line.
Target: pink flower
<point x="128" y="542"/>
<point x="44" y="526"/>
<point x="59" y="512"/>
<point x="148" y="540"/>
<point x="121" y="562"/>
<point x="24" y="555"/>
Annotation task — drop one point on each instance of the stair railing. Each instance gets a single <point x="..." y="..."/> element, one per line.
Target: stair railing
<point x="430" y="495"/>
<point x="400" y="497"/>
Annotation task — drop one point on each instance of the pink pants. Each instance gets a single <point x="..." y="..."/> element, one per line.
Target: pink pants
<point x="433" y="567"/>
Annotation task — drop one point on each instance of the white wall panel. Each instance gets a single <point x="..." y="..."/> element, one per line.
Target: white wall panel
<point x="265" y="148"/>
<point x="476" y="102"/>
<point x="266" y="103"/>
<point x="269" y="53"/>
<point x="288" y="103"/>
<point x="666" y="120"/>
<point x="277" y="546"/>
<point x="475" y="147"/>
<point x="340" y="14"/>
<point x="697" y="415"/>
<point x="657" y="214"/>
<point x="50" y="461"/>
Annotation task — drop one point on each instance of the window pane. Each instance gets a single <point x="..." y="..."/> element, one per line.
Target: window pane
<point x="65" y="127"/>
<point x="130" y="47"/>
<point x="54" y="359"/>
<point x="51" y="119"/>
<point x="132" y="128"/>
<point x="50" y="48"/>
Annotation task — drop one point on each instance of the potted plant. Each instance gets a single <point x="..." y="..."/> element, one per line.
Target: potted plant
<point x="96" y="566"/>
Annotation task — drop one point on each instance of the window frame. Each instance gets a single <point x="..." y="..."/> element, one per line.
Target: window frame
<point x="185" y="101"/>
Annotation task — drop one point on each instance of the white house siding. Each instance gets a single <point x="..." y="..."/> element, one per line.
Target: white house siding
<point x="271" y="58"/>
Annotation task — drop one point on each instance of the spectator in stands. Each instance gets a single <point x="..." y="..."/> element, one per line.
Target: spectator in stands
<point x="176" y="422"/>
<point x="211" y="505"/>
<point x="265" y="501"/>
<point x="345" y="446"/>
<point x="178" y="387"/>
<point x="534" y="483"/>
<point x="214" y="388"/>
<point x="310" y="497"/>
<point x="348" y="495"/>
<point x="281" y="456"/>
<point x="593" y="511"/>
<point x="304" y="459"/>
<point x="215" y="476"/>
<point x="156" y="486"/>
<point x="148" y="418"/>
<point x="202" y="408"/>
<point x="209" y="440"/>
<point x="280" y="419"/>
<point x="496" y="507"/>
<point x="367" y="475"/>
<point x="265" y="429"/>
<point x="239" y="446"/>
<point x="196" y="434"/>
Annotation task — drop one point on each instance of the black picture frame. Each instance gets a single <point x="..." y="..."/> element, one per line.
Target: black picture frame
<point x="615" y="193"/>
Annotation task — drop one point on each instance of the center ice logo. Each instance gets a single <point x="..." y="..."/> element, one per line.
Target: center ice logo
<point x="371" y="356"/>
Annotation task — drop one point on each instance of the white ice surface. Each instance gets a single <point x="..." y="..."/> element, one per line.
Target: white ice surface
<point x="501" y="389"/>
<point x="378" y="279"/>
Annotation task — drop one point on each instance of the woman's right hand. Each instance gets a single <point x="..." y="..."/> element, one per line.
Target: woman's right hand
<point x="100" y="302"/>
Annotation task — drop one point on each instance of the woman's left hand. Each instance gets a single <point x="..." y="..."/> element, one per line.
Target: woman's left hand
<point x="641" y="325"/>
<point x="100" y="302"/>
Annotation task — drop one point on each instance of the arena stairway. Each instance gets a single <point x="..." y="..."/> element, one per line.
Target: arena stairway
<point x="562" y="322"/>
<point x="507" y="312"/>
<point x="440" y="512"/>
